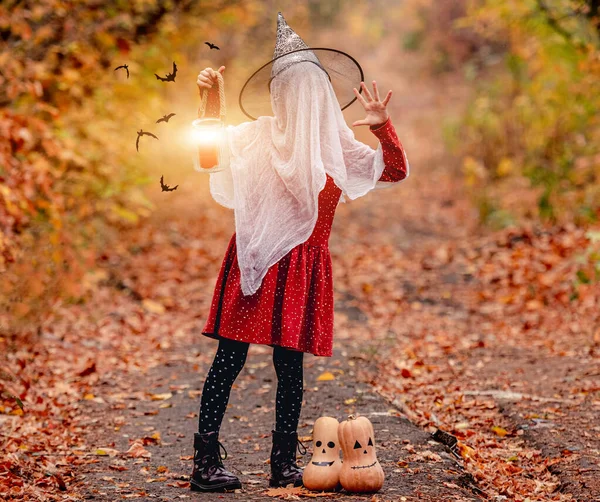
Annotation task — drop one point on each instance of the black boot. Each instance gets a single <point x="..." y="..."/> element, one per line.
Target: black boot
<point x="209" y="475"/>
<point x="284" y="470"/>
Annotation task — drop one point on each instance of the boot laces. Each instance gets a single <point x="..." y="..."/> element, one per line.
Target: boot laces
<point x="218" y="458"/>
<point x="301" y="447"/>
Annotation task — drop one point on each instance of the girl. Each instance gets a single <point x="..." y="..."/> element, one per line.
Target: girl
<point x="285" y="177"/>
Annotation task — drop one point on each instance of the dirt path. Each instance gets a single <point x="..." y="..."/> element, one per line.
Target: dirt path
<point x="416" y="468"/>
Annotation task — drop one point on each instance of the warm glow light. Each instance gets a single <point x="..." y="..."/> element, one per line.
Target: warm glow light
<point x="206" y="132"/>
<point x="205" y="136"/>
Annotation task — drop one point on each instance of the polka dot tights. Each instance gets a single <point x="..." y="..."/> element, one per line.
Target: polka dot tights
<point x="227" y="364"/>
<point x="288" y="366"/>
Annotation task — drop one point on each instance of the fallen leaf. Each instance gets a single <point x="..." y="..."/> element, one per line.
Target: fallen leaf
<point x="118" y="467"/>
<point x="429" y="455"/>
<point x="179" y="484"/>
<point x="138" y="451"/>
<point x="325" y="376"/>
<point x="110" y="452"/>
<point x="465" y="451"/>
<point x="153" y="439"/>
<point x="88" y="370"/>
<point x="500" y="431"/>
<point x="153" y="307"/>
<point x="161" y="397"/>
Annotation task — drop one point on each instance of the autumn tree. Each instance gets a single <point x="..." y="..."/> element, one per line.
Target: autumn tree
<point x="534" y="119"/>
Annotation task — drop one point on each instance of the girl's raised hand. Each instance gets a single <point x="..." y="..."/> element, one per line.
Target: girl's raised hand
<point x="208" y="77"/>
<point x="376" y="109"/>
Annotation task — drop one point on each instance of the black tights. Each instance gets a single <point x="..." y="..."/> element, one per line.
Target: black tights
<point x="229" y="361"/>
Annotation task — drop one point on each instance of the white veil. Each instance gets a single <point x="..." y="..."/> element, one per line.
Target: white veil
<point x="278" y="166"/>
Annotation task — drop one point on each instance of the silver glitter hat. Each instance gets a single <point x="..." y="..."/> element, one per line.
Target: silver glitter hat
<point x="343" y="71"/>
<point x="290" y="49"/>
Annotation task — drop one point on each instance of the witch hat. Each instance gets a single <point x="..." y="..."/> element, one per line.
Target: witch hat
<point x="343" y="71"/>
<point x="289" y="44"/>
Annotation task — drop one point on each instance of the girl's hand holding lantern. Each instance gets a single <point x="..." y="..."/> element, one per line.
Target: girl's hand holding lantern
<point x="208" y="129"/>
<point x="208" y="77"/>
<point x="376" y="109"/>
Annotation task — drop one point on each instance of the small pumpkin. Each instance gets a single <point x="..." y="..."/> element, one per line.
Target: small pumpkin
<point x="323" y="471"/>
<point x="360" y="471"/>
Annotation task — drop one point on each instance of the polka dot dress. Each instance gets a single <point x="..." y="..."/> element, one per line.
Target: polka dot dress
<point x="293" y="307"/>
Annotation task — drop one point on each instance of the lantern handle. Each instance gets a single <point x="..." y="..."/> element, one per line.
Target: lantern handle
<point x="204" y="99"/>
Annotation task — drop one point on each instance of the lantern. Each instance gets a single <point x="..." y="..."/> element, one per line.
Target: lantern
<point x="209" y="135"/>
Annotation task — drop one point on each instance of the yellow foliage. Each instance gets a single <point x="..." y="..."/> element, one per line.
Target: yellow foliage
<point x="535" y="115"/>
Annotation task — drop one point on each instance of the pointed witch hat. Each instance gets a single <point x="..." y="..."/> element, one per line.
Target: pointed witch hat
<point x="343" y="71"/>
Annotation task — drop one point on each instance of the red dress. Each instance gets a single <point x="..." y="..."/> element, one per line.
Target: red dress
<point x="293" y="307"/>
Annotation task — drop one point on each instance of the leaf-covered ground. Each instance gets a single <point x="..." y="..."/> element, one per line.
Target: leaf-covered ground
<point x="464" y="334"/>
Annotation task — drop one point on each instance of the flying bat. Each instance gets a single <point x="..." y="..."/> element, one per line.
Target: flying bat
<point x="212" y="46"/>
<point x="166" y="188"/>
<point x="123" y="66"/>
<point x="165" y="118"/>
<point x="140" y="134"/>
<point x="170" y="76"/>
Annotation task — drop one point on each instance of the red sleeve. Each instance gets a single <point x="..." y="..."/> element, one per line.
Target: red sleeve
<point x="394" y="158"/>
<point x="208" y="153"/>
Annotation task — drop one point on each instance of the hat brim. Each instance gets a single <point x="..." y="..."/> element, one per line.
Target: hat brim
<point x="343" y="70"/>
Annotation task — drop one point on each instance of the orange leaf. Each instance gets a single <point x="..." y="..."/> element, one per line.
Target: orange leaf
<point x="138" y="451"/>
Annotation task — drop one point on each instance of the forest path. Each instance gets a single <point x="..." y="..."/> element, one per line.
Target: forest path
<point x="416" y="468"/>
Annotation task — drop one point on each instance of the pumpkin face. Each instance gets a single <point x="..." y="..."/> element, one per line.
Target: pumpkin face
<point x="323" y="471"/>
<point x="361" y="471"/>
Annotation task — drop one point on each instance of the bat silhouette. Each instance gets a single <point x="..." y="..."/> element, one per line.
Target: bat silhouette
<point x="140" y="134"/>
<point x="212" y="46"/>
<point x="123" y="66"/>
<point x="165" y="118"/>
<point x="170" y="76"/>
<point x="166" y="188"/>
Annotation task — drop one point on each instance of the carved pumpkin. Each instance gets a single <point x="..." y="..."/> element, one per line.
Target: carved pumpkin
<point x="361" y="471"/>
<point x="323" y="471"/>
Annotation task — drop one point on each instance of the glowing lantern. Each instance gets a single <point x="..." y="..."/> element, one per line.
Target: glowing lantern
<point x="208" y="134"/>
